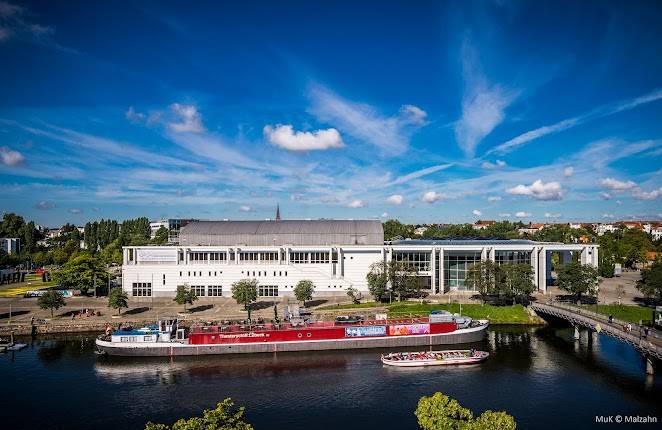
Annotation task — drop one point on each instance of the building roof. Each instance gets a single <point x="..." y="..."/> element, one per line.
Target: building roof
<point x="284" y="232"/>
<point x="465" y="241"/>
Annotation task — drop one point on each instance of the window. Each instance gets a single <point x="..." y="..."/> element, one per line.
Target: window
<point x="456" y="265"/>
<point x="512" y="257"/>
<point x="142" y="289"/>
<point x="298" y="257"/>
<point x="214" y="291"/>
<point x="218" y="256"/>
<point x="198" y="257"/>
<point x="248" y="256"/>
<point x="164" y="279"/>
<point x="319" y="257"/>
<point x="267" y="257"/>
<point x="199" y="290"/>
<point x="420" y="260"/>
<point x="180" y="273"/>
<point x="267" y="290"/>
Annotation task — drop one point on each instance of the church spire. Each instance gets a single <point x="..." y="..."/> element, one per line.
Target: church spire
<point x="277" y="212"/>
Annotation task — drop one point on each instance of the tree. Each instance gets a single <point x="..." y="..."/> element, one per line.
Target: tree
<point x="606" y="267"/>
<point x="517" y="280"/>
<point x="245" y="292"/>
<point x="377" y="279"/>
<point x="112" y="253"/>
<point x="403" y="278"/>
<point x="577" y="279"/>
<point x="355" y="295"/>
<point x="51" y="299"/>
<point x="81" y="273"/>
<point x="440" y="412"/>
<point x="185" y="296"/>
<point x="303" y="290"/>
<point x="225" y="417"/>
<point x="395" y="229"/>
<point x="118" y="299"/>
<point x="161" y="236"/>
<point x="650" y="283"/>
<point x="484" y="277"/>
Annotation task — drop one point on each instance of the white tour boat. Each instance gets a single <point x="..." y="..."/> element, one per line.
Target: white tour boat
<point x="434" y="358"/>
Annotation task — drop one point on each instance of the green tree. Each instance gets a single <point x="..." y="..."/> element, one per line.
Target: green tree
<point x="395" y="229"/>
<point x="245" y="292"/>
<point x="403" y="278"/>
<point x="377" y="279"/>
<point x="650" y="283"/>
<point x="577" y="279"/>
<point x="161" y="236"/>
<point x="118" y="299"/>
<point x="81" y="273"/>
<point x="112" y="253"/>
<point x="606" y="267"/>
<point x="517" y="280"/>
<point x="303" y="290"/>
<point x="51" y="299"/>
<point x="440" y="412"/>
<point x="484" y="277"/>
<point x="225" y="417"/>
<point x="185" y="295"/>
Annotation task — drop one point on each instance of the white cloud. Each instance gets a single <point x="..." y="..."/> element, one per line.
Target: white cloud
<point x="419" y="173"/>
<point x="75" y="211"/>
<point x="395" y="199"/>
<point x="568" y="171"/>
<point x="488" y="165"/>
<point x="504" y="215"/>
<point x="363" y="122"/>
<point x="433" y="196"/>
<point x="538" y="190"/>
<point x="522" y="214"/>
<point x="616" y="185"/>
<point x="414" y="114"/>
<point x="476" y="212"/>
<point x="385" y="215"/>
<point x="483" y="104"/>
<point x="284" y="137"/>
<point x="245" y="208"/>
<point x="44" y="205"/>
<point x="134" y="116"/>
<point x="608" y="216"/>
<point x="565" y="124"/>
<point x="189" y="119"/>
<point x="355" y="204"/>
<point x="552" y="215"/>
<point x="643" y="195"/>
<point x="9" y="157"/>
<point x="605" y="196"/>
<point x="493" y="198"/>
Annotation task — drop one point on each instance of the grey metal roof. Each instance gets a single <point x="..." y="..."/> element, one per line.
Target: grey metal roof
<point x="284" y="232"/>
<point x="465" y="242"/>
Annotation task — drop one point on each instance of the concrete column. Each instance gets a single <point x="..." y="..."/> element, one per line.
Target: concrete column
<point x="433" y="266"/>
<point x="491" y="254"/>
<point x="442" y="274"/>
<point x="542" y="270"/>
<point x="483" y="254"/>
<point x="649" y="365"/>
<point x="576" y="332"/>
<point x="341" y="261"/>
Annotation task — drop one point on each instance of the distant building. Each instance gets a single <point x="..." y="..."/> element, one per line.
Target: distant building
<point x="601" y="229"/>
<point x="480" y="224"/>
<point x="530" y="229"/>
<point x="420" y="230"/>
<point x="656" y="232"/>
<point x="154" y="226"/>
<point x="11" y="245"/>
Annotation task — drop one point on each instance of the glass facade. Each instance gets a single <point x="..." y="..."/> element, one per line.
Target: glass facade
<point x="418" y="259"/>
<point x="456" y="264"/>
<point x="512" y="257"/>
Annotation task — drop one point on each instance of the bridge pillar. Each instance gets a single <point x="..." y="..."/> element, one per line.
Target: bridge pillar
<point x="576" y="332"/>
<point x="649" y="365"/>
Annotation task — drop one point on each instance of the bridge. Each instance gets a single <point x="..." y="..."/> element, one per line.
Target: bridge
<point x="650" y="345"/>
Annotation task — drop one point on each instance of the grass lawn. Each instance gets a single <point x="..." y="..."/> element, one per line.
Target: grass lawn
<point x="629" y="313"/>
<point x="32" y="282"/>
<point x="351" y="306"/>
<point x="516" y="314"/>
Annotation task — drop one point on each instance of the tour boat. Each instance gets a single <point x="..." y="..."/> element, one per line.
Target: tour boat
<point x="434" y="358"/>
<point x="170" y="338"/>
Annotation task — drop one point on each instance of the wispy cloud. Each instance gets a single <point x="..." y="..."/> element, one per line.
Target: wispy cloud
<point x="616" y="185"/>
<point x="283" y="136"/>
<point x="187" y="119"/>
<point x="565" y="124"/>
<point x="650" y="195"/>
<point x="483" y="104"/>
<point x="419" y="173"/>
<point x="361" y="121"/>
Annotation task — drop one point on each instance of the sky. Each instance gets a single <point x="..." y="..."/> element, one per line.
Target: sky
<point x="445" y="111"/>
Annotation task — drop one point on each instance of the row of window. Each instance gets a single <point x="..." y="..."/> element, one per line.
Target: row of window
<point x="141" y="289"/>
<point x="267" y="290"/>
<point x="210" y="290"/>
<point x="264" y="273"/>
<point x="419" y="260"/>
<point x="197" y="273"/>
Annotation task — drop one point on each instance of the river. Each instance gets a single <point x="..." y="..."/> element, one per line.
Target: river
<point x="540" y="375"/>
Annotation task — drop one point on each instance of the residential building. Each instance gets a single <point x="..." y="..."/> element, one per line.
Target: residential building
<point x="531" y="229"/>
<point x="482" y="224"/>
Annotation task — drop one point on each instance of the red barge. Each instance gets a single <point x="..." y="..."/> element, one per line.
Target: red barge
<point x="168" y="339"/>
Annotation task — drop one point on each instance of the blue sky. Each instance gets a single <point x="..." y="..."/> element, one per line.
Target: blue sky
<point x="425" y="112"/>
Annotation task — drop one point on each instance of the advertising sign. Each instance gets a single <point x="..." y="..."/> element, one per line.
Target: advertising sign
<point x="157" y="255"/>
<point x="406" y="329"/>
<point x="365" y="331"/>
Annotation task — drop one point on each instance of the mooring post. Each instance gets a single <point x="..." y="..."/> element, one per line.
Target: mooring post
<point x="649" y="365"/>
